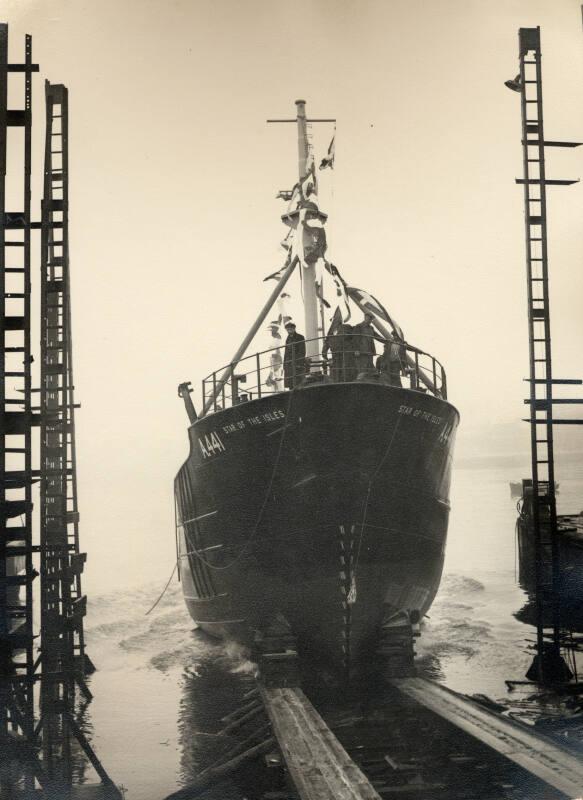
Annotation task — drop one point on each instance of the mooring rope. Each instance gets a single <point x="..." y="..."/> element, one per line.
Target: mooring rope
<point x="164" y="590"/>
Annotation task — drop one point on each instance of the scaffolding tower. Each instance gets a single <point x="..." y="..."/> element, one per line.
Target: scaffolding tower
<point x="63" y="660"/>
<point x="44" y="751"/>
<point x="548" y="666"/>
<point x="17" y="573"/>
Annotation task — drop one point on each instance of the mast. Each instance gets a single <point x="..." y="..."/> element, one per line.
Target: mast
<point x="308" y="271"/>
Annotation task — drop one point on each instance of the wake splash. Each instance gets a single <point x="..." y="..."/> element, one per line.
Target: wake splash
<point x="118" y="629"/>
<point x="122" y="636"/>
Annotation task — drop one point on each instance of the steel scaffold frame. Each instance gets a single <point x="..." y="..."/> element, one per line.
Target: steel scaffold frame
<point x="63" y="605"/>
<point x="17" y="573"/>
<point x="548" y="666"/>
<point x="43" y="752"/>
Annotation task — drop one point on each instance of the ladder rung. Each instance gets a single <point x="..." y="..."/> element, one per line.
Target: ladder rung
<point x="16" y="580"/>
<point x="16" y="117"/>
<point x="22" y="67"/>
<point x="562" y="144"/>
<point x="12" y="323"/>
<point x="15" y="374"/>
<point x="565" y="401"/>
<point x="547" y="181"/>
<point x="571" y="381"/>
<point x="556" y="421"/>
<point x="14" y="269"/>
<point x="12" y="552"/>
<point x="14" y="349"/>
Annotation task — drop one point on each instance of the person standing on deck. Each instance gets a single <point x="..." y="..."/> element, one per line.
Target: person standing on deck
<point x="275" y="378"/>
<point x="340" y="345"/>
<point x="391" y="362"/>
<point x="294" y="358"/>
<point x="364" y="346"/>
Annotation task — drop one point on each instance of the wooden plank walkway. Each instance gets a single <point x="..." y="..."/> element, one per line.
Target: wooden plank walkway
<point x="319" y="766"/>
<point x="551" y="763"/>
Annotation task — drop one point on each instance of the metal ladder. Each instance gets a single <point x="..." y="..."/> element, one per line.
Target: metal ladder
<point x="548" y="665"/>
<point x="63" y="605"/>
<point x="17" y="573"/>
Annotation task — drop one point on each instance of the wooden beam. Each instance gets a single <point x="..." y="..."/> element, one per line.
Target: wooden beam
<point x="533" y="752"/>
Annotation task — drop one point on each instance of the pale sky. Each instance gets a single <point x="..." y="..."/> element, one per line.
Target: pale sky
<point x="174" y="221"/>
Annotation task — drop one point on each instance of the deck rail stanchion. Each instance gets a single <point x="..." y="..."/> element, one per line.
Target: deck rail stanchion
<point x="431" y="376"/>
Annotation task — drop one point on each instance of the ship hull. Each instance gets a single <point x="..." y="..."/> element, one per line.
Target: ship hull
<point x="328" y="505"/>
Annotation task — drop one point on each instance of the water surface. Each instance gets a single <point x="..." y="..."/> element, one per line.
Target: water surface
<point x="162" y="686"/>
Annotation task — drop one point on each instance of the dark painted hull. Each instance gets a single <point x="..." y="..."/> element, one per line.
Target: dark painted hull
<point x="288" y="502"/>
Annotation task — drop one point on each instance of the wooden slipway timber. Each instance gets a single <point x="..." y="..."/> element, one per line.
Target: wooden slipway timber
<point x="535" y="753"/>
<point x="319" y="766"/>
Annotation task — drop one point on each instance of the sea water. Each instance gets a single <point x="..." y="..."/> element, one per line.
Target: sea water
<point x="162" y="686"/>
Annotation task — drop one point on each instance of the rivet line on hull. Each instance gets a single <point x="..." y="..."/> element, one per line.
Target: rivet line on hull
<point x="345" y="581"/>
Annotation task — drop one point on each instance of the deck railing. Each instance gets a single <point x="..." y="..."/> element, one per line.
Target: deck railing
<point x="268" y="372"/>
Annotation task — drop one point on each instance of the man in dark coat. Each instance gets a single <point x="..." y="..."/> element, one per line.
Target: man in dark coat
<point x="364" y="347"/>
<point x="294" y="358"/>
<point x="392" y="361"/>
<point x="341" y="346"/>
